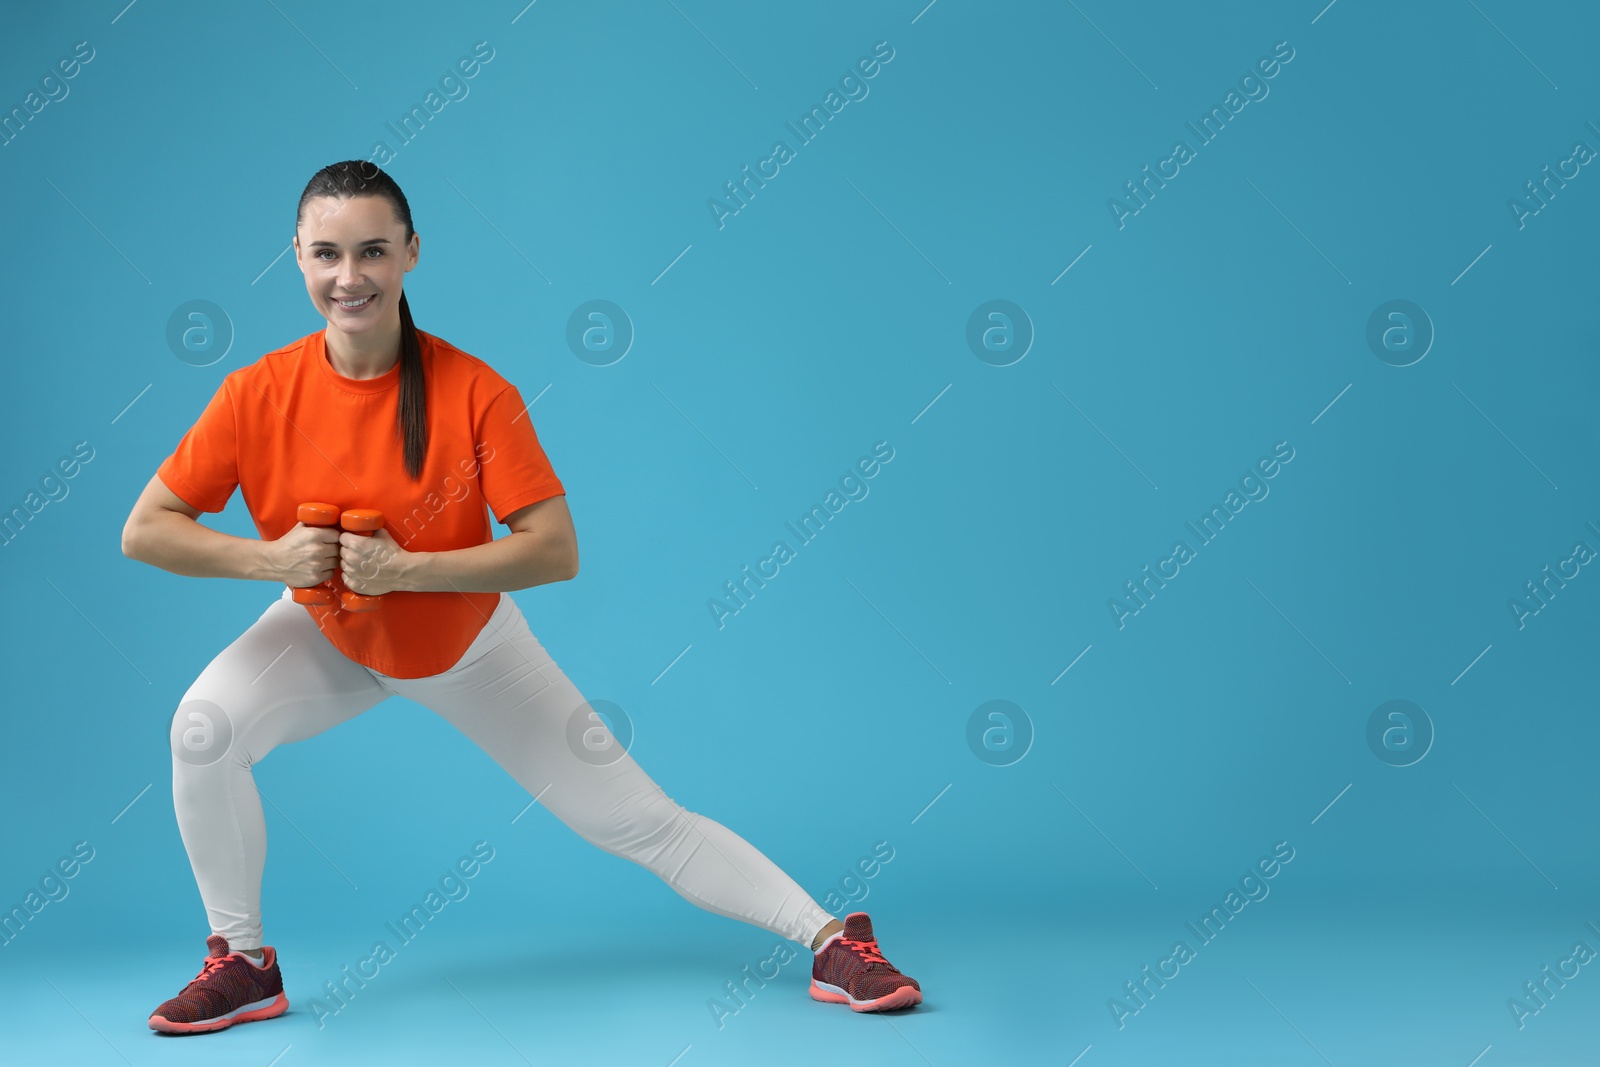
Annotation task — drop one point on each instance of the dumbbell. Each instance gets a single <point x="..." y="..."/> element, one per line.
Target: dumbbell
<point x="332" y="593"/>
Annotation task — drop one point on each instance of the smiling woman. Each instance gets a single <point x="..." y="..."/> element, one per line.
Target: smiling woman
<point x="373" y="413"/>
<point x="357" y="252"/>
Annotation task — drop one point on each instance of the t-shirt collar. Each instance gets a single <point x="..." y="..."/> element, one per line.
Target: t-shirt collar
<point x="382" y="383"/>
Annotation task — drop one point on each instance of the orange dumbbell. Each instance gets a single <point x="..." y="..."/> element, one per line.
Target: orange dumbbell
<point x="323" y="594"/>
<point x="363" y="521"/>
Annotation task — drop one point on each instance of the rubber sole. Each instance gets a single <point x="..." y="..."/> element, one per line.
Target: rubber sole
<point x="904" y="997"/>
<point x="249" y="1013"/>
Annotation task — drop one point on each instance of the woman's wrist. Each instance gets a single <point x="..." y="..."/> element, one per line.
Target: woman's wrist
<point x="417" y="575"/>
<point x="260" y="565"/>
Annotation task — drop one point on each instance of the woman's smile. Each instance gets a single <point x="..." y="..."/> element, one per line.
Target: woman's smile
<point x="355" y="305"/>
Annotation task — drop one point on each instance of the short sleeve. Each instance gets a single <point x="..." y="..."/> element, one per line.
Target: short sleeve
<point x="513" y="470"/>
<point x="204" y="470"/>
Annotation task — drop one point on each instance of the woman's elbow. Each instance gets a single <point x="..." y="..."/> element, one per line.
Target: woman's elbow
<point x="136" y="534"/>
<point x="569" y="557"/>
<point x="130" y="538"/>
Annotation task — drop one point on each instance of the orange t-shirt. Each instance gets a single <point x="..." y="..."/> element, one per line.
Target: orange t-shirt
<point x="289" y="429"/>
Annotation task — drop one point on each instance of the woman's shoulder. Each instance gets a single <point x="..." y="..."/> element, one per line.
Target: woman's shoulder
<point x="272" y="366"/>
<point x="455" y="365"/>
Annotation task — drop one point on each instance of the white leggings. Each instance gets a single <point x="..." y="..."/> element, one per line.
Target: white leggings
<point x="283" y="680"/>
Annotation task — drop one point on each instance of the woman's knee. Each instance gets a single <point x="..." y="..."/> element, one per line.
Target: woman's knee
<point x="640" y="827"/>
<point x="203" y="733"/>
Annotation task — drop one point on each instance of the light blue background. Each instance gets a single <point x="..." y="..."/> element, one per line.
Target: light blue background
<point x="829" y="714"/>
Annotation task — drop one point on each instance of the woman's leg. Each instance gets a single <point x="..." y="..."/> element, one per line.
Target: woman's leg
<point x="279" y="681"/>
<point x="511" y="699"/>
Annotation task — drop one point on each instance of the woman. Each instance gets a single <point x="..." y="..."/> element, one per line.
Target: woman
<point x="373" y="413"/>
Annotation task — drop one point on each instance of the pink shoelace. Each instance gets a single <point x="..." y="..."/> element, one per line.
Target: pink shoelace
<point x="867" y="950"/>
<point x="212" y="965"/>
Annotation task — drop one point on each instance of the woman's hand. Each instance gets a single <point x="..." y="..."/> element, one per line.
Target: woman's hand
<point x="374" y="564"/>
<point x="305" y="555"/>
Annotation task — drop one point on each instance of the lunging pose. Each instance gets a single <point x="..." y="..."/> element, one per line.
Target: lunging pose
<point x="408" y="596"/>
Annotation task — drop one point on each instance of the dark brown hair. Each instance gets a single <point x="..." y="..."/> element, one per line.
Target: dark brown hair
<point x="358" y="177"/>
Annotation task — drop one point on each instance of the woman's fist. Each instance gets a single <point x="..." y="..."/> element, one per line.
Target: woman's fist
<point x="372" y="564"/>
<point x="306" y="555"/>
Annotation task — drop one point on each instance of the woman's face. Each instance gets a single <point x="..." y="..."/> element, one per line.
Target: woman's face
<point x="353" y="248"/>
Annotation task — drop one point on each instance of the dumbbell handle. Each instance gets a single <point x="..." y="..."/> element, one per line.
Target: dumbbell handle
<point x="363" y="521"/>
<point x="324" y="594"/>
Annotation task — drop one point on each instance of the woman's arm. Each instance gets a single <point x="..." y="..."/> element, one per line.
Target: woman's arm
<point x="541" y="548"/>
<point x="163" y="531"/>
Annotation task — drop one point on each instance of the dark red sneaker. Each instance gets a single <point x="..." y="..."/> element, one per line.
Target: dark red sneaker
<point x="851" y="970"/>
<point x="229" y="989"/>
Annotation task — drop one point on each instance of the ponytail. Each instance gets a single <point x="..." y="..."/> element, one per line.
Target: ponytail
<point x="413" y="413"/>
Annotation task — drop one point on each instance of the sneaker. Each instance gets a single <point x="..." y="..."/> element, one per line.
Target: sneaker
<point x="851" y="970"/>
<point x="229" y="989"/>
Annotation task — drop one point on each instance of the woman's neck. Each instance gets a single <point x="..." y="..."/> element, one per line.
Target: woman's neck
<point x="363" y="355"/>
